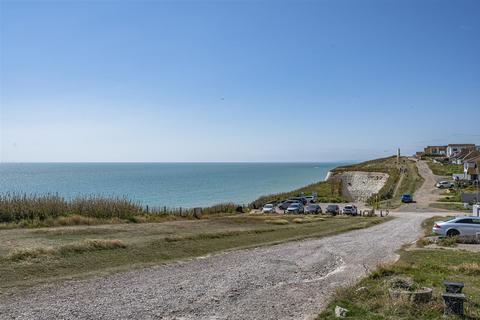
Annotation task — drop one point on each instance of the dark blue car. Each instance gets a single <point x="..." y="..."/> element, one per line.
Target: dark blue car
<point x="406" y="198"/>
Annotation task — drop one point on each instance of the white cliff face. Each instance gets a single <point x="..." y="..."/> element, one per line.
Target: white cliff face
<point x="362" y="185"/>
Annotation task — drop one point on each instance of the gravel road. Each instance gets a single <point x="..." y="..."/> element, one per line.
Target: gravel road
<point x="286" y="281"/>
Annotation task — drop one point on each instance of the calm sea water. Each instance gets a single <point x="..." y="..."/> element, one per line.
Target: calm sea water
<point x="162" y="184"/>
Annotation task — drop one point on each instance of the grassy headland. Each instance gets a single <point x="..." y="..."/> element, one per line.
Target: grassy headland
<point x="28" y="256"/>
<point x="397" y="183"/>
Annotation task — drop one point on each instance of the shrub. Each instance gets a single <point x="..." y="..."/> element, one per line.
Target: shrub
<point x="277" y="221"/>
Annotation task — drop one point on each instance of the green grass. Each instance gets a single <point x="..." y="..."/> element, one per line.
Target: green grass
<point x="445" y="169"/>
<point x="389" y="195"/>
<point x="428" y="268"/>
<point x="451" y="196"/>
<point x="49" y="256"/>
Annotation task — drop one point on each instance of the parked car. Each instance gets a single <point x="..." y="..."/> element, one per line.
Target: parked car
<point x="444" y="185"/>
<point x="333" y="209"/>
<point x="406" y="198"/>
<point x="313" y="208"/>
<point x="302" y="200"/>
<point x="268" y="208"/>
<point x="350" y="210"/>
<point x="310" y="199"/>
<point x="284" y="205"/>
<point x="458" y="226"/>
<point x="296" y="207"/>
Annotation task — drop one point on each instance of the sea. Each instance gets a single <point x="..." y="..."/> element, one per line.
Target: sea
<point x="162" y="184"/>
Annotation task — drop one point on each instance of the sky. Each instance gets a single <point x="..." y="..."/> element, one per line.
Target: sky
<point x="166" y="81"/>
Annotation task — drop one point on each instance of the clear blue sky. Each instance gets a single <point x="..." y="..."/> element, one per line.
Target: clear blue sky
<point x="236" y="81"/>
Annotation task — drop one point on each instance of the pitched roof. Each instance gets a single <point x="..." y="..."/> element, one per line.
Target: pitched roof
<point x="471" y="171"/>
<point x="461" y="154"/>
<point x="472" y="155"/>
<point x="473" y="159"/>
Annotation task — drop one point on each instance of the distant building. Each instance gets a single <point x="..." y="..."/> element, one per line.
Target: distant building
<point x="435" y="150"/>
<point x="466" y="155"/>
<point x="453" y="149"/>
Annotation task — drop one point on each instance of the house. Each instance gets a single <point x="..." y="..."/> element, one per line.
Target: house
<point x="419" y="154"/>
<point x="458" y="157"/>
<point x="435" y="150"/>
<point x="473" y="156"/>
<point x="470" y="168"/>
<point x="453" y="149"/>
<point x="465" y="156"/>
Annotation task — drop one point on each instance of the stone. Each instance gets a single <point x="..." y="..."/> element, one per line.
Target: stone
<point x="340" y="312"/>
<point x="423" y="295"/>
<point x="453" y="287"/>
<point x="361" y="290"/>
<point x="453" y="304"/>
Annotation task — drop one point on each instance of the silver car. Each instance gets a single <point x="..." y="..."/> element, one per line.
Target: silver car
<point x="296" y="208"/>
<point x="458" y="226"/>
<point x="444" y="185"/>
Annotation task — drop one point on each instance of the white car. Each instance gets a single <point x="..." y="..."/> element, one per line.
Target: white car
<point x="268" y="208"/>
<point x="444" y="185"/>
<point x="458" y="226"/>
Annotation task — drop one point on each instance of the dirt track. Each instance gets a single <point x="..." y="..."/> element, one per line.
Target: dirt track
<point x="287" y="281"/>
<point x="426" y="194"/>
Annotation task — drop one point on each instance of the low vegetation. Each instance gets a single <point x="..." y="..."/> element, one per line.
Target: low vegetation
<point x="441" y="169"/>
<point x="31" y="211"/>
<point x="56" y="253"/>
<point x="83" y="246"/>
<point x="451" y="206"/>
<point x="398" y="182"/>
<point x="327" y="191"/>
<point x="369" y="299"/>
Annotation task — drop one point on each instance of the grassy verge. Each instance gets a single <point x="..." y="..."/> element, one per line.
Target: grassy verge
<point x="369" y="299"/>
<point x="452" y="206"/>
<point x="56" y="253"/>
<point x="440" y="169"/>
<point x="399" y="182"/>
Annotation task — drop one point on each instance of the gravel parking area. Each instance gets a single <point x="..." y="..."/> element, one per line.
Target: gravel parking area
<point x="286" y="281"/>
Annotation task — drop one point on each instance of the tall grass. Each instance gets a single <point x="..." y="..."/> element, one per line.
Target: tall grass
<point x="18" y="208"/>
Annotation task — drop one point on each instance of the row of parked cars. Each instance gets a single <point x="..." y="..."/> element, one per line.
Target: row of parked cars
<point x="304" y="205"/>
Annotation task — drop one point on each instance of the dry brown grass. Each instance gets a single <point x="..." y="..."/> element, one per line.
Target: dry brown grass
<point x="87" y="245"/>
<point x="467" y="268"/>
<point x="278" y="221"/>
